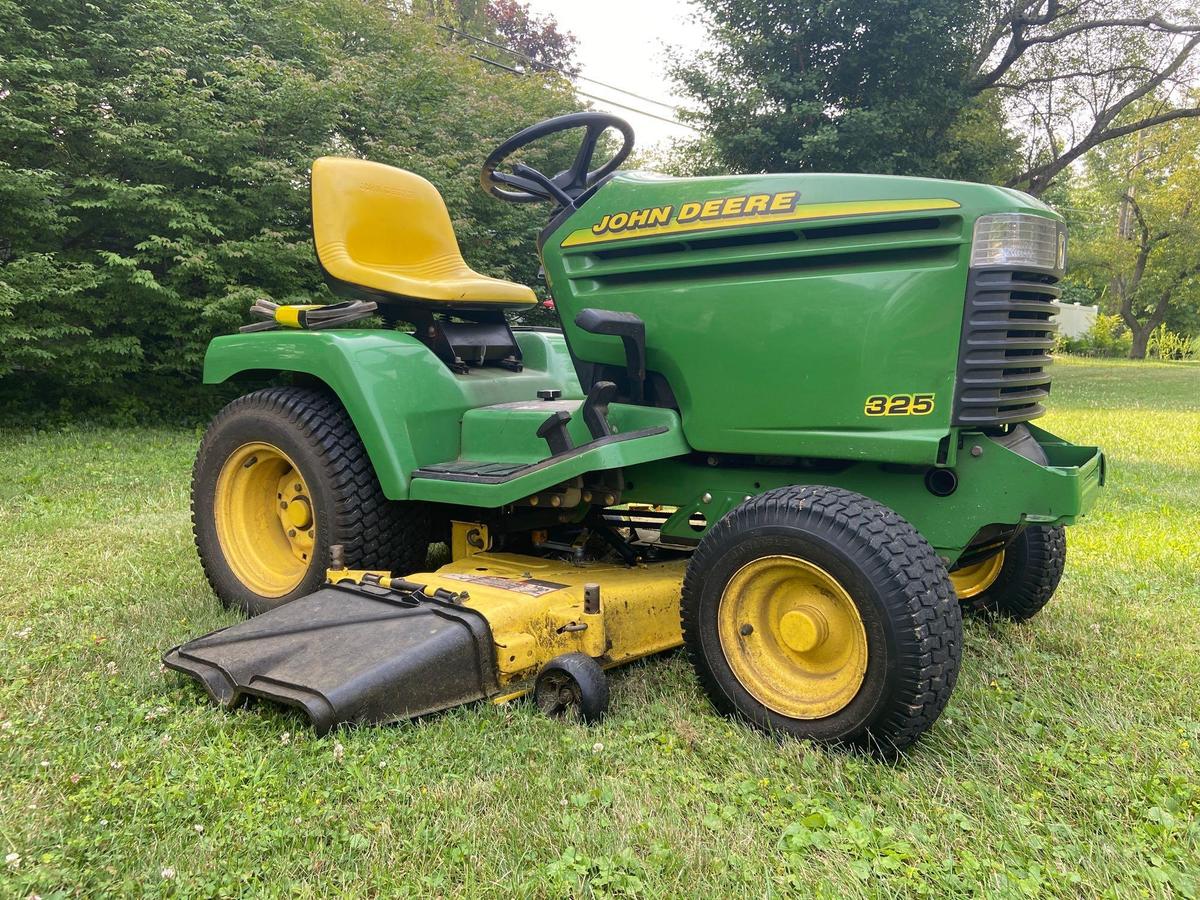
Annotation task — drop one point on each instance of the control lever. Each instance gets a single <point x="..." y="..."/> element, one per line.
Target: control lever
<point x="554" y="432"/>
<point x="595" y="409"/>
<point x="632" y="332"/>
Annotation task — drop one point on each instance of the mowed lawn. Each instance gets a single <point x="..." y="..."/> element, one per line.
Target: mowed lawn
<point x="1067" y="764"/>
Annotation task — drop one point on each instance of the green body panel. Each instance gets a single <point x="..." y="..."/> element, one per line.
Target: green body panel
<point x="407" y="405"/>
<point x="410" y="410"/>
<point x="633" y="451"/>
<point x="773" y="335"/>
<point x="997" y="486"/>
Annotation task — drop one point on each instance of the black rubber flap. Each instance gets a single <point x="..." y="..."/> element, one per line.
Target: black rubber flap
<point x="349" y="654"/>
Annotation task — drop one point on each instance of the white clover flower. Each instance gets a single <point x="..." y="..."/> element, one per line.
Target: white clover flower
<point x="338" y="751"/>
<point x="13" y="859"/>
<point x="167" y="873"/>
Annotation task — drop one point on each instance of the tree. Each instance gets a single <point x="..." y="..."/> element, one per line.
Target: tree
<point x="860" y="85"/>
<point x="896" y="86"/>
<point x="537" y="38"/>
<point x="534" y="42"/>
<point x="1138" y="244"/>
<point x="154" y="159"/>
<point x="1072" y="73"/>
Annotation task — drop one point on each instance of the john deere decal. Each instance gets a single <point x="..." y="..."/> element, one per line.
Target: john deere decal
<point x="730" y="212"/>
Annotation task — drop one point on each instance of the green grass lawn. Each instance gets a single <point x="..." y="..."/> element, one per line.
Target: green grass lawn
<point x="1067" y="763"/>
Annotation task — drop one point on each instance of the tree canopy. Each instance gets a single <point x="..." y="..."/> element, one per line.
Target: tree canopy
<point x="1135" y="234"/>
<point x="507" y="32"/>
<point x="861" y="85"/>
<point x="154" y="159"/>
<point x="932" y="88"/>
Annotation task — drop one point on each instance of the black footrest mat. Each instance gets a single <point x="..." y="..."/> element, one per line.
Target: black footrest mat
<point x="471" y="469"/>
<point x="348" y="653"/>
<point x="498" y="472"/>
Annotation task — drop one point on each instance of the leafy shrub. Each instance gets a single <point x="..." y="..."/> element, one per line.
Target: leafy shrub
<point x="1108" y="337"/>
<point x="1166" y="344"/>
<point x="154" y="159"/>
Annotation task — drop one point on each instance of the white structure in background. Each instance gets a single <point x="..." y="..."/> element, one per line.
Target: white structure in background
<point x="1075" y="320"/>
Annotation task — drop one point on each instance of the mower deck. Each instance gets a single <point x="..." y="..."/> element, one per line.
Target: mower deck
<point x="480" y="627"/>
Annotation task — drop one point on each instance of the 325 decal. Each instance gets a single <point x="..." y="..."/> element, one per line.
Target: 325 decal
<point x="899" y="405"/>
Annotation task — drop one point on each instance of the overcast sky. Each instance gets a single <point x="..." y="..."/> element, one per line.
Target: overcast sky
<point x="624" y="43"/>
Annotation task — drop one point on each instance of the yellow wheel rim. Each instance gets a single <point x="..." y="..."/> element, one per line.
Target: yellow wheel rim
<point x="793" y="637"/>
<point x="264" y="518"/>
<point x="972" y="580"/>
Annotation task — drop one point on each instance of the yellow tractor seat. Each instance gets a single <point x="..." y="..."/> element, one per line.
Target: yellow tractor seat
<point x="387" y="230"/>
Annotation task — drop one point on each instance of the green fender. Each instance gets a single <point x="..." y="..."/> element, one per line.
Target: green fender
<point x="405" y="403"/>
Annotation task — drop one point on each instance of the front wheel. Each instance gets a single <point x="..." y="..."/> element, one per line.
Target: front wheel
<point x="819" y="613"/>
<point x="1019" y="580"/>
<point x="280" y="477"/>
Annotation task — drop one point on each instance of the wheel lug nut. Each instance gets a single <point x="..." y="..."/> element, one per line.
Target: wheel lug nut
<point x="292" y="532"/>
<point x="747" y="630"/>
<point x="283" y="505"/>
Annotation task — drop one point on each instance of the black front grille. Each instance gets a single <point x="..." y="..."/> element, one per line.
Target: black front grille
<point x="1007" y="338"/>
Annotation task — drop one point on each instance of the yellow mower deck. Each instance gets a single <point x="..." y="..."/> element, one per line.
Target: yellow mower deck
<point x="536" y="608"/>
<point x="371" y="648"/>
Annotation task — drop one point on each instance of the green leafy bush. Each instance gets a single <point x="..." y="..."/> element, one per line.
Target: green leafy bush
<point x="154" y="159"/>
<point x="1107" y="337"/>
<point x="1166" y="344"/>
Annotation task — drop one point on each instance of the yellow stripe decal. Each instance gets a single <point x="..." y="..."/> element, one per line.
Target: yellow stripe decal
<point x="736" y="212"/>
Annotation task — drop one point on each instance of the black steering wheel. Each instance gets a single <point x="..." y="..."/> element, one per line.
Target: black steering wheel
<point x="527" y="185"/>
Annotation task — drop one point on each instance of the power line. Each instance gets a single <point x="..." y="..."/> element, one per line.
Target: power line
<point x="492" y="62"/>
<point x="640" y="112"/>
<point x="541" y="65"/>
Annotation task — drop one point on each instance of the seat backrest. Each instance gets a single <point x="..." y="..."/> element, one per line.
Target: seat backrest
<point x="369" y="214"/>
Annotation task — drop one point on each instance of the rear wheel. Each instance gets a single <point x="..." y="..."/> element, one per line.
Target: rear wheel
<point x="1019" y="580"/>
<point x="816" y="612"/>
<point x="281" y="475"/>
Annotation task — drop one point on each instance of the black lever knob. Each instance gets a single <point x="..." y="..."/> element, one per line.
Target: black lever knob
<point x="595" y="409"/>
<point x="554" y="432"/>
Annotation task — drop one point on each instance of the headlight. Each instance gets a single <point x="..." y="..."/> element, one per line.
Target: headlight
<point x="1019" y="239"/>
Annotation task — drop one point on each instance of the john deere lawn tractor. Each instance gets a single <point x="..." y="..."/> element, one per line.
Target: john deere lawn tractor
<point x="786" y="423"/>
